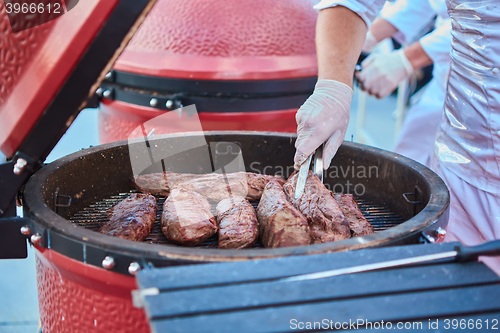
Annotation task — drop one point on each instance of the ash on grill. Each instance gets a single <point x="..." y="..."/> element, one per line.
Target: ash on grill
<point x="94" y="216"/>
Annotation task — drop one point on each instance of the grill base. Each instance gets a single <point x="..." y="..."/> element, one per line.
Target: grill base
<point x="94" y="216"/>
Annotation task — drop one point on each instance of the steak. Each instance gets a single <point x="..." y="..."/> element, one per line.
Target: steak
<point x="325" y="218"/>
<point x="186" y="218"/>
<point x="132" y="218"/>
<point x="238" y="226"/>
<point x="280" y="224"/>
<point x="357" y="222"/>
<point x="215" y="187"/>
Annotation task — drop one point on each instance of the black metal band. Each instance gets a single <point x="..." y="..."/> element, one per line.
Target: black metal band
<point x="213" y="87"/>
<point x="206" y="103"/>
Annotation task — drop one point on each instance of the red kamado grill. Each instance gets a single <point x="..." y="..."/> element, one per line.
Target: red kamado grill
<point x="247" y="65"/>
<point x="85" y="278"/>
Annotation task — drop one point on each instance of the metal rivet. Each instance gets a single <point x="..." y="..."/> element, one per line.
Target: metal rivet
<point x="109" y="76"/>
<point x="107" y="94"/>
<point x="440" y="232"/>
<point x="153" y="102"/>
<point x="170" y="104"/>
<point x="108" y="262"/>
<point x="133" y="268"/>
<point x="99" y="92"/>
<point x="19" y="166"/>
<point x="430" y="238"/>
<point x="36" y="239"/>
<point x="25" y="230"/>
<point x="496" y="70"/>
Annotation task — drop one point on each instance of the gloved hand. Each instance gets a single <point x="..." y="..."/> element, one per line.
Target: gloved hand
<point x="323" y="117"/>
<point x="370" y="42"/>
<point x="382" y="73"/>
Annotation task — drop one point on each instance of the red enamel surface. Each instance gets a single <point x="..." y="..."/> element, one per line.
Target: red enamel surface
<point x="117" y="120"/>
<point x="34" y="64"/>
<point x="225" y="40"/>
<point x="76" y="297"/>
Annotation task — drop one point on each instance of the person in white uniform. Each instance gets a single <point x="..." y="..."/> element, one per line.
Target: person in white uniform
<point x="467" y="149"/>
<point x="383" y="72"/>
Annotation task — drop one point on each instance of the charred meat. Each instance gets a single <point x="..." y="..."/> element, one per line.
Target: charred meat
<point x="280" y="224"/>
<point x="238" y="226"/>
<point x="186" y="218"/>
<point x="215" y="187"/>
<point x="132" y="218"/>
<point x="325" y="218"/>
<point x="357" y="222"/>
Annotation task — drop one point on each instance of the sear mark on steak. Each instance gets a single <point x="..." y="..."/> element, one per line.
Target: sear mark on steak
<point x="357" y="222"/>
<point x="215" y="187"/>
<point x="280" y="224"/>
<point x="186" y="218"/>
<point x="132" y="218"/>
<point x="325" y="218"/>
<point x="238" y="226"/>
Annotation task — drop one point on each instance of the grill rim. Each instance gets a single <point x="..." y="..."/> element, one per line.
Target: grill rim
<point x="46" y="221"/>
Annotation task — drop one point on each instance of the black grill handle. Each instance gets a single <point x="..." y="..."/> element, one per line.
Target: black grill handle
<point x="470" y="253"/>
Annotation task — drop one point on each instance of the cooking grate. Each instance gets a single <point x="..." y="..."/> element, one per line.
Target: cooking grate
<point x="94" y="216"/>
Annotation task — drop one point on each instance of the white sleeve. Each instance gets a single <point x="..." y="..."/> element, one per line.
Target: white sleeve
<point x="437" y="44"/>
<point x="410" y="17"/>
<point x="366" y="9"/>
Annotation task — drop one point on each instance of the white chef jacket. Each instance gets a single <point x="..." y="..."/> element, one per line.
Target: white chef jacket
<point x="468" y="139"/>
<point x="418" y="132"/>
<point x="368" y="10"/>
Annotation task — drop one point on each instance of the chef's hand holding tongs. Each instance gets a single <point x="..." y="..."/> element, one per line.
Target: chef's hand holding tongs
<point x="322" y="118"/>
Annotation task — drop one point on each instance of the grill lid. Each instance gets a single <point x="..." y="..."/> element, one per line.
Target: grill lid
<point x="52" y="69"/>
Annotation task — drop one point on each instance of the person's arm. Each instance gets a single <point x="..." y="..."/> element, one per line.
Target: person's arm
<point x="382" y="72"/>
<point x="417" y="57"/>
<point x="340" y="34"/>
<point x="379" y="30"/>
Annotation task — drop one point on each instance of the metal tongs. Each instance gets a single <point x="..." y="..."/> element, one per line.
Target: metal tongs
<point x="304" y="170"/>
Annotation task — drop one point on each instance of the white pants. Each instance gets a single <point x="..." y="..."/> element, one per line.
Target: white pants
<point x="418" y="133"/>
<point x="474" y="214"/>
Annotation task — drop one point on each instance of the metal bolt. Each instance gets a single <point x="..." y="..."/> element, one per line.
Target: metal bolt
<point x="153" y="102"/>
<point x="107" y="93"/>
<point x="430" y="238"/>
<point x="19" y="166"/>
<point x="170" y="104"/>
<point x="25" y="230"/>
<point x="440" y="232"/>
<point x="109" y="76"/>
<point x="133" y="268"/>
<point x="99" y="92"/>
<point x="108" y="262"/>
<point x="36" y="239"/>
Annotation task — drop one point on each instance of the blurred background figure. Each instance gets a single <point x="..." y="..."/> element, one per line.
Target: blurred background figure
<point x="381" y="73"/>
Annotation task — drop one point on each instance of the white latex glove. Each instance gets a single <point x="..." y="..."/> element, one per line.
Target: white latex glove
<point x="382" y="73"/>
<point x="323" y="117"/>
<point x="370" y="42"/>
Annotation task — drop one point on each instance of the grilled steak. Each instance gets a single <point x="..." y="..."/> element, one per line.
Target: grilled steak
<point x="132" y="218"/>
<point x="215" y="187"/>
<point x="238" y="226"/>
<point x="323" y="213"/>
<point x="186" y="218"/>
<point x="357" y="222"/>
<point x="280" y="224"/>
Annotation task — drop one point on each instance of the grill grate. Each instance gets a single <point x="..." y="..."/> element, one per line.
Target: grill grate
<point x="94" y="216"/>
